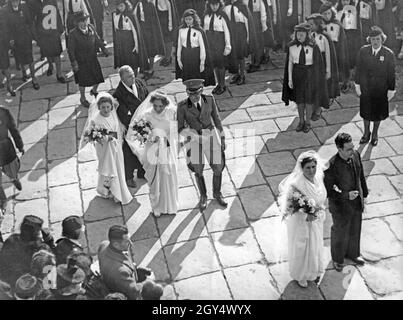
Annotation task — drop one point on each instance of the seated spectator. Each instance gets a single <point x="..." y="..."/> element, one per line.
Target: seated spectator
<point x="26" y="287"/>
<point x="72" y="231"/>
<point x="115" y="296"/>
<point x="151" y="291"/>
<point x="17" y="251"/>
<point x="5" y="291"/>
<point x="70" y="279"/>
<point x="117" y="269"/>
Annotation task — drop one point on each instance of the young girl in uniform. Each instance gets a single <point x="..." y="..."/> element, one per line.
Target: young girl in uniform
<point x="304" y="76"/>
<point x="192" y="54"/>
<point x="218" y="37"/>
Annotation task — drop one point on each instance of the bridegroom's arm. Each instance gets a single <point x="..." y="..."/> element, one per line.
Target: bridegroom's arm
<point x="362" y="178"/>
<point x="334" y="191"/>
<point x="123" y="109"/>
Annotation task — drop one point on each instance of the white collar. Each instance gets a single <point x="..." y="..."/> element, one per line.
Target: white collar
<point x="133" y="89"/>
<point x="376" y="51"/>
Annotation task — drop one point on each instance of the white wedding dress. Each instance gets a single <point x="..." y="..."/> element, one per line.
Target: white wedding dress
<point x="159" y="161"/>
<point x="305" y="239"/>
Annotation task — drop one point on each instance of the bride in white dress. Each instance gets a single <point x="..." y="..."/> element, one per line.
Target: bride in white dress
<point x="305" y="234"/>
<point x="111" y="172"/>
<point x="159" y="157"/>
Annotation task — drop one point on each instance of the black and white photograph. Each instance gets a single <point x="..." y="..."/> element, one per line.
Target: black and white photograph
<point x="201" y="150"/>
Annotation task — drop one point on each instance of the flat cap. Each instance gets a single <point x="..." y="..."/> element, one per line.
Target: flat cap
<point x="305" y="26"/>
<point x="72" y="223"/>
<point x="26" y="287"/>
<point x="194" y="84"/>
<point x="375" y="31"/>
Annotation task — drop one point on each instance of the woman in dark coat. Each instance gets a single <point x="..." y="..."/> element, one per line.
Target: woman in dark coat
<point x="219" y="40"/>
<point x="83" y="44"/>
<point x="49" y="28"/>
<point x="336" y="33"/>
<point x="21" y="27"/>
<point x="146" y="14"/>
<point x="304" y="76"/>
<point x="329" y="60"/>
<point x="244" y="36"/>
<point x="4" y="58"/>
<point x="192" y="54"/>
<point x="375" y="83"/>
<point x="128" y="42"/>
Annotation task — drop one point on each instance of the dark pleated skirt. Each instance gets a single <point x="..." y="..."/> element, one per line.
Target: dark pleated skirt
<point x="149" y="40"/>
<point x="191" y="63"/>
<point x="124" y="45"/>
<point x="4" y="59"/>
<point x="374" y="105"/>
<point x="23" y="49"/>
<point x="50" y="44"/>
<point x="216" y="41"/>
<point x="354" y="43"/>
<point x="302" y="77"/>
<point x="89" y="73"/>
<point x="164" y="22"/>
<point x="240" y="46"/>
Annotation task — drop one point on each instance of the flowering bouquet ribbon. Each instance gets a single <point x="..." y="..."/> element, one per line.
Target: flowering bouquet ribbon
<point x="299" y="203"/>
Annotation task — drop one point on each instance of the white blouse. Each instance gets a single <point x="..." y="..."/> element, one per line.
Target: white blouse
<point x="239" y="18"/>
<point x="295" y="51"/>
<point x="333" y="30"/>
<point x="350" y="17"/>
<point x="196" y="41"/>
<point x="219" y="25"/>
<point x="127" y="26"/>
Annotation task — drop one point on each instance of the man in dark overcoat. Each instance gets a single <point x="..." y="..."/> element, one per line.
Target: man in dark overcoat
<point x="206" y="136"/>
<point x="346" y="189"/>
<point x="130" y="93"/>
<point x="375" y="83"/>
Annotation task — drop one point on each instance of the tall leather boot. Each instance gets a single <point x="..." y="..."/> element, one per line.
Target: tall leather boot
<point x="201" y="184"/>
<point x="217" y="180"/>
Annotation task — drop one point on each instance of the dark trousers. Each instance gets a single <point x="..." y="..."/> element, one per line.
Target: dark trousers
<point x="345" y="236"/>
<point x="131" y="163"/>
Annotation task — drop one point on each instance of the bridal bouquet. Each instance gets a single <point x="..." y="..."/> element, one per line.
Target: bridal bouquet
<point x="298" y="202"/>
<point x="142" y="130"/>
<point x="95" y="133"/>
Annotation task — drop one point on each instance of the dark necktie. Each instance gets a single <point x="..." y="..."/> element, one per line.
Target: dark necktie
<point x="212" y="22"/>
<point x="302" y="56"/>
<point x="233" y="14"/>
<point x="120" y="23"/>
<point x="71" y="6"/>
<point x="198" y="107"/>
<point x="188" y="43"/>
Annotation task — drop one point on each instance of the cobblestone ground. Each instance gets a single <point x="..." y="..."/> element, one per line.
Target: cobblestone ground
<point x="236" y="253"/>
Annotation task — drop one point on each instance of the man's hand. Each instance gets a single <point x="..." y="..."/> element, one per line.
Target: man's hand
<point x="75" y="67"/>
<point x="289" y="12"/>
<point x="352" y="195"/>
<point x="136" y="50"/>
<point x="328" y="75"/>
<point x="227" y="51"/>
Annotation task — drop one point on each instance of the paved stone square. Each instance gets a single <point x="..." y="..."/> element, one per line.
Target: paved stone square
<point x="236" y="253"/>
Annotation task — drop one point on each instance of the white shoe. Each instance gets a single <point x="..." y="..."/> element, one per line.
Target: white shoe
<point x="303" y="283"/>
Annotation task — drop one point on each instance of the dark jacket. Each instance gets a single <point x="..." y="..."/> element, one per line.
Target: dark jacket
<point x="128" y="102"/>
<point x="64" y="247"/>
<point x="7" y="124"/>
<point x="16" y="256"/>
<point x="208" y="118"/>
<point x="340" y="180"/>
<point x="118" y="271"/>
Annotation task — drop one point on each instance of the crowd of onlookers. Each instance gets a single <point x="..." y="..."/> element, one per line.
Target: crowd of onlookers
<point x="33" y="266"/>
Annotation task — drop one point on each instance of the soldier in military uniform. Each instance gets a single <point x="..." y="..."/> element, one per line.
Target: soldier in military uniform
<point x="204" y="138"/>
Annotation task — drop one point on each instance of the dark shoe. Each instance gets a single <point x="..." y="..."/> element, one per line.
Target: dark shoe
<point x="374" y="142"/>
<point x="317" y="280"/>
<point x="11" y="91"/>
<point x="201" y="183"/>
<point x="234" y="79"/>
<point x="50" y="72"/>
<point x="315" y="116"/>
<point x="217" y="181"/>
<point x="131" y="183"/>
<point x="36" y="85"/>
<point x="221" y="91"/>
<point x="338" y="266"/>
<point x="85" y="103"/>
<point x="358" y="261"/>
<point x="17" y="184"/>
<point x="241" y="80"/>
<point x="93" y="93"/>
<point x="300" y="127"/>
<point x="61" y="79"/>
<point x="365" y="139"/>
<point x="216" y="89"/>
<point x="307" y="127"/>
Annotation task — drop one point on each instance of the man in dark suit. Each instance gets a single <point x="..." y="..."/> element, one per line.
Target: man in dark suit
<point x="346" y="189"/>
<point x="130" y="93"/>
<point x="206" y="136"/>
